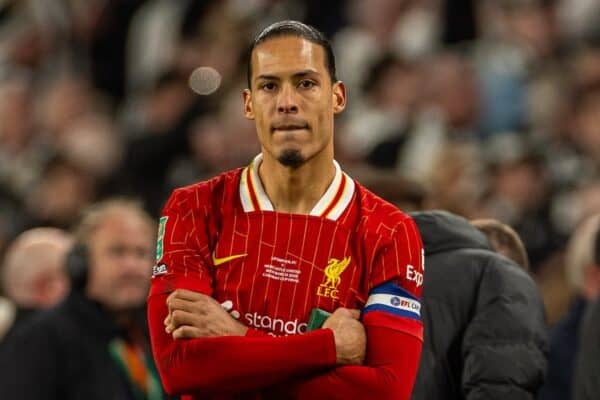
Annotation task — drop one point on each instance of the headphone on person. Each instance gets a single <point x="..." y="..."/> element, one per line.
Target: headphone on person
<point x="77" y="265"/>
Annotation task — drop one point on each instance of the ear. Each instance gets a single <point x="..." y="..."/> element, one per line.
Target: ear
<point x="248" y="111"/>
<point x="339" y="97"/>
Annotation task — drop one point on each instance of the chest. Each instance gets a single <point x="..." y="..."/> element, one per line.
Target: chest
<point x="276" y="268"/>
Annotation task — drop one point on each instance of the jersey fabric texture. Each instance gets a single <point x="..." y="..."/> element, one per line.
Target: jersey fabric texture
<point x="223" y="238"/>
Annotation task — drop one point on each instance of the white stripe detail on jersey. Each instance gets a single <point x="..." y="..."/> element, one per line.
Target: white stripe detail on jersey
<point x="398" y="302"/>
<point x="245" y="191"/>
<point x="321" y="206"/>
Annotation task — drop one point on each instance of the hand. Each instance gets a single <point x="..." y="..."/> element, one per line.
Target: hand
<point x="349" y="334"/>
<point x="194" y="315"/>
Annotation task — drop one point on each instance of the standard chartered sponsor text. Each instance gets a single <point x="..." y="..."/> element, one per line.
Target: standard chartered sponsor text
<point x="276" y="326"/>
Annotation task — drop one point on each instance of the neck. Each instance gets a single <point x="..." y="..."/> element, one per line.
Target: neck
<point x="296" y="190"/>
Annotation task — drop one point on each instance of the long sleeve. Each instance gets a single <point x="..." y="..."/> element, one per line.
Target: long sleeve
<point x="233" y="363"/>
<point x="389" y="372"/>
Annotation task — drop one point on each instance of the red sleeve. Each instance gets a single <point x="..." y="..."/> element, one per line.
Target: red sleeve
<point x="392" y="359"/>
<point x="210" y="365"/>
<point x="233" y="363"/>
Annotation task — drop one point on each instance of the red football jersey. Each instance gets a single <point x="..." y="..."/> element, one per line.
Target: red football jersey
<point x="223" y="238"/>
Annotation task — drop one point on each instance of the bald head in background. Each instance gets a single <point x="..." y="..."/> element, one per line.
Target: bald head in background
<point x="33" y="273"/>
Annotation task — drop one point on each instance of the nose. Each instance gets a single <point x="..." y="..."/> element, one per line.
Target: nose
<point x="286" y="101"/>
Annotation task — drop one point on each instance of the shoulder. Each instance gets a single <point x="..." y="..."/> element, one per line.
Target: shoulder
<point x="205" y="193"/>
<point x="380" y="217"/>
<point x="38" y="333"/>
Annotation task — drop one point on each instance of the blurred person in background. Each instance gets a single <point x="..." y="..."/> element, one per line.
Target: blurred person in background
<point x="482" y="313"/>
<point x="518" y="193"/>
<point x="94" y="344"/>
<point x="32" y="275"/>
<point x="448" y="114"/>
<point x="586" y="379"/>
<point x="406" y="28"/>
<point x="457" y="180"/>
<point x="19" y="160"/>
<point x="391" y="91"/>
<point x="504" y="240"/>
<point x="583" y="275"/>
<point x="59" y="194"/>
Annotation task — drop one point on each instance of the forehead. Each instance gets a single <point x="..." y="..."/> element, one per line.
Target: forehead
<point x="118" y="226"/>
<point x="287" y="55"/>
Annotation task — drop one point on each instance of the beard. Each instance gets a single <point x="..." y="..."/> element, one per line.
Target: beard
<point x="291" y="158"/>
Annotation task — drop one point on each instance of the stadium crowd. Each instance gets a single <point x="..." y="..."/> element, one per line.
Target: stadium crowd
<point x="484" y="108"/>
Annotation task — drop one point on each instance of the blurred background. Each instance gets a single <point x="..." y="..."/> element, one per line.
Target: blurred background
<point x="487" y="108"/>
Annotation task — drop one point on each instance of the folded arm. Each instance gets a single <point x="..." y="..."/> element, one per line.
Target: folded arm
<point x="237" y="363"/>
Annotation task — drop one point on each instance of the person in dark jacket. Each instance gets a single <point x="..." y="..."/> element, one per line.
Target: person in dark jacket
<point x="485" y="333"/>
<point x="583" y="276"/>
<point x="93" y="345"/>
<point x="586" y="379"/>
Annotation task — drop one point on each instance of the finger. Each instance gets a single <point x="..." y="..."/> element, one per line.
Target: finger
<point x="186" y="332"/>
<point x="185" y="305"/>
<point x="235" y="314"/>
<point x="179" y="318"/>
<point x="170" y="328"/>
<point x="354" y="313"/>
<point x="179" y="304"/>
<point x="167" y="320"/>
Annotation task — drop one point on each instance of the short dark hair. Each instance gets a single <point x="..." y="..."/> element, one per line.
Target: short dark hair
<point x="297" y="29"/>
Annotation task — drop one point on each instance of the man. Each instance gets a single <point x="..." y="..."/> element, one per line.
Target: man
<point x="288" y="234"/>
<point x="583" y="277"/>
<point x="485" y="333"/>
<point x="33" y="276"/>
<point x="586" y="379"/>
<point x="92" y="345"/>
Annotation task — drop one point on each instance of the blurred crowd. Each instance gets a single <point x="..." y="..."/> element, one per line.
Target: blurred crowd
<point x="486" y="108"/>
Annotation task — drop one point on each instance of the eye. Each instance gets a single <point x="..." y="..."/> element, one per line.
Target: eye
<point x="306" y="84"/>
<point x="268" y="86"/>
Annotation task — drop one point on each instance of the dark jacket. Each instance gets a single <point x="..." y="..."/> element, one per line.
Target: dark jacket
<point x="485" y="333"/>
<point x="564" y="345"/>
<point x="586" y="382"/>
<point x="63" y="354"/>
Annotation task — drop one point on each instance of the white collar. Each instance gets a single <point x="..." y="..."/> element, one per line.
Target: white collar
<point x="335" y="200"/>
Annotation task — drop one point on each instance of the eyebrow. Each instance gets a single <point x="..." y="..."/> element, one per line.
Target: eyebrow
<point x="299" y="74"/>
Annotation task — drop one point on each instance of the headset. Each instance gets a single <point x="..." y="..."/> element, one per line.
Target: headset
<point x="77" y="265"/>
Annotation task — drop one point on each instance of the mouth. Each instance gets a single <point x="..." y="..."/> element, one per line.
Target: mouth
<point x="289" y="127"/>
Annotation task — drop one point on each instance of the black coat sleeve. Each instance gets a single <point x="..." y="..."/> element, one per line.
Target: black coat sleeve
<point x="28" y="365"/>
<point x="586" y="385"/>
<point x="504" y="345"/>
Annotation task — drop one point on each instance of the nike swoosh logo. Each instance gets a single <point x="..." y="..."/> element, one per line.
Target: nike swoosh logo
<point x="218" y="261"/>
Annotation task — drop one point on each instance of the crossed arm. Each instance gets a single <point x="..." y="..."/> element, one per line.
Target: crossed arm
<point x="326" y="363"/>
